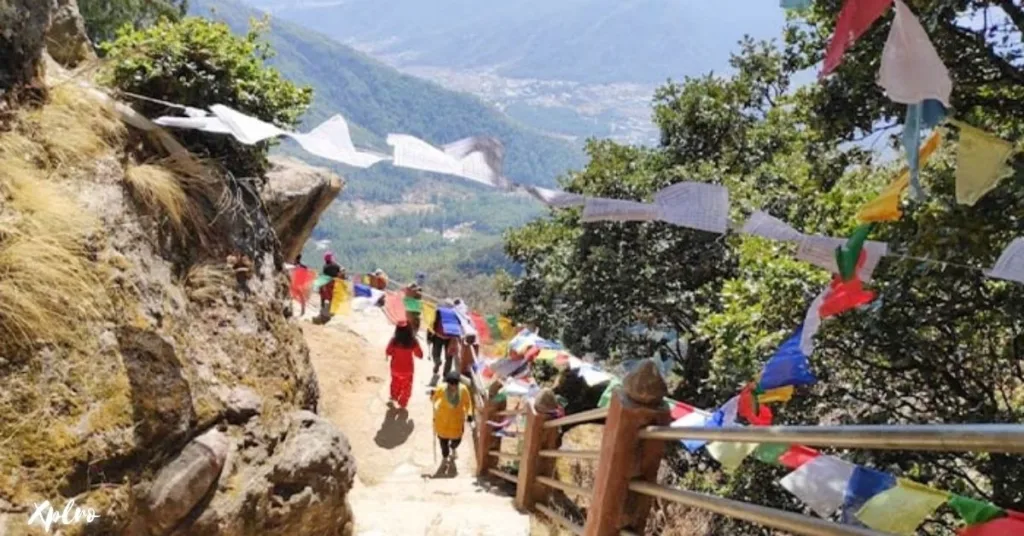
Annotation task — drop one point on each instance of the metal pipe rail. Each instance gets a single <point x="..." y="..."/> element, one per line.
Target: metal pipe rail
<point x="576" y="418"/>
<point x="503" y="475"/>
<point x="769" y="517"/>
<point x="567" y="488"/>
<point x="572" y="454"/>
<point x="560" y="519"/>
<point x="1005" y="438"/>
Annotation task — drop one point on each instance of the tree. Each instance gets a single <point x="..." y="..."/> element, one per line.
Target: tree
<point x="103" y="18"/>
<point x="197" y="63"/>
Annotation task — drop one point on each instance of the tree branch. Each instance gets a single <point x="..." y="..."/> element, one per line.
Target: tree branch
<point x="1007" y="69"/>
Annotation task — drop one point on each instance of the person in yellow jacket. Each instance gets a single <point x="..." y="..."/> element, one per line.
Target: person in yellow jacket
<point x="453" y="406"/>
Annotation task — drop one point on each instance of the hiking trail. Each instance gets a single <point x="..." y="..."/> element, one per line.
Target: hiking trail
<point x="399" y="489"/>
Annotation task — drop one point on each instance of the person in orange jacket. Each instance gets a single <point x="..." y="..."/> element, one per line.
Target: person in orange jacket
<point x="401" y="350"/>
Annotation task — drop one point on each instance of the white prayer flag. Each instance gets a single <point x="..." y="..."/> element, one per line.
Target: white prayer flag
<point x="333" y="141"/>
<point x="729" y="411"/>
<point x="812" y="322"/>
<point x="911" y="69"/>
<point x="730" y="453"/>
<point x="244" y="128"/>
<point x="602" y="209"/>
<point x="203" y="123"/>
<point x="820" y="483"/>
<point x="478" y="158"/>
<point x="1010" y="264"/>
<point x="593" y="377"/>
<point x="696" y="205"/>
<point x="414" y="153"/>
<point x="555" y="198"/>
<point x="821" y="252"/>
<point x="767" y="226"/>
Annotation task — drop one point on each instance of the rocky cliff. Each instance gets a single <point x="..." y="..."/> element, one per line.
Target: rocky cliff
<point x="147" y="367"/>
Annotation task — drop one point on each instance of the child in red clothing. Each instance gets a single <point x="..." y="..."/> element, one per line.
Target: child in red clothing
<point x="401" y="349"/>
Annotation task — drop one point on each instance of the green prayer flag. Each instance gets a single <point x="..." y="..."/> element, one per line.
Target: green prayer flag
<point x="606" y="396"/>
<point x="412" y="305"/>
<point x="847" y="254"/>
<point x="494" y="327"/>
<point x="321" y="280"/>
<point x="975" y="512"/>
<point x="770" y="452"/>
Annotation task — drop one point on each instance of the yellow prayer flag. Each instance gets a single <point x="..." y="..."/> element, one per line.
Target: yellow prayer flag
<point x="901" y="508"/>
<point x="886" y="207"/>
<point x="730" y="453"/>
<point x="980" y="163"/>
<point x="340" y="303"/>
<point x="498" y="349"/>
<point x="429" y="314"/>
<point x="781" y="394"/>
<point x="508" y="329"/>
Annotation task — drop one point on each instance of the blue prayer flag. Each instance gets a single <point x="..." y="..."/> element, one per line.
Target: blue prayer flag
<point x="361" y="290"/>
<point x="789" y="366"/>
<point x="450" y="324"/>
<point x="864" y="484"/>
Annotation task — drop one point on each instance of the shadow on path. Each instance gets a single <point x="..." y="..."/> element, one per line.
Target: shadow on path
<point x="395" y="429"/>
<point x="447" y="469"/>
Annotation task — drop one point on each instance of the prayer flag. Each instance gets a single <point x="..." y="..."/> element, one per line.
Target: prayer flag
<point x="752" y="410"/>
<point x="845" y="295"/>
<point x="450" y="322"/>
<point x="886" y="207"/>
<point x="864" y="484"/>
<point x="922" y="115"/>
<point x="412" y="305"/>
<point x="797" y="455"/>
<point x="781" y="394"/>
<point x="593" y="376"/>
<point x="695" y="419"/>
<point x="361" y="291"/>
<point x="1010" y="264"/>
<point x="555" y="198"/>
<point x="429" y="315"/>
<point x="973" y="511"/>
<point x="340" y="299"/>
<point x="730" y="453"/>
<point x="820" y="483"/>
<point x="1006" y="526"/>
<point x="606" y="396"/>
<point x="770" y="452"/>
<point x="795" y="4"/>
<point x="506" y="327"/>
<point x="320" y="281"/>
<point x="848" y="254"/>
<point x="911" y="70"/>
<point x="481" y="327"/>
<point x="602" y="209"/>
<point x="697" y="205"/>
<point x="494" y="328"/>
<point x="394" y="308"/>
<point x="980" y="163"/>
<point x="854" y="19"/>
<point x="899" y="510"/>
<point x="812" y="322"/>
<point x="679" y="409"/>
<point x="788" y="366"/>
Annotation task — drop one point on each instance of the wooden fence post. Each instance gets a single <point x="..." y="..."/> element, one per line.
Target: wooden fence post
<point x="637" y="404"/>
<point x="531" y="465"/>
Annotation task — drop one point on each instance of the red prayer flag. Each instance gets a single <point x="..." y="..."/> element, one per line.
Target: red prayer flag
<point x="854" y="19"/>
<point x="681" y="409"/>
<point x="756" y="414"/>
<point x="797" y="455"/>
<point x="1004" y="526"/>
<point x="845" y="295"/>
<point x="302" y="281"/>
<point x="481" y="327"/>
<point x="394" y="308"/>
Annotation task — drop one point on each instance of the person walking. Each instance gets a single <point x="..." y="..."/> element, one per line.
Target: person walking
<point x="441" y="345"/>
<point x="400" y="351"/>
<point x="452" y="409"/>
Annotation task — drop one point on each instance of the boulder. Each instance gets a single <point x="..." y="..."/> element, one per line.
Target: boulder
<point x="288" y="478"/>
<point x="180" y="485"/>
<point x="242" y="404"/>
<point x="23" y="26"/>
<point x="66" y="41"/>
<point x="295" y="195"/>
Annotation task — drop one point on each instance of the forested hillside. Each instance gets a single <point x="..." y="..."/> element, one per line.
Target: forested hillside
<point x="377" y="100"/>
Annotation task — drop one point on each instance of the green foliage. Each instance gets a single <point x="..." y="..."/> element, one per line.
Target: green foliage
<point x="103" y="18"/>
<point x="941" y="344"/>
<point x="196" y="62"/>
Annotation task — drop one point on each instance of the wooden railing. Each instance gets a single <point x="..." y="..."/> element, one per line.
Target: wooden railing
<point x="633" y="444"/>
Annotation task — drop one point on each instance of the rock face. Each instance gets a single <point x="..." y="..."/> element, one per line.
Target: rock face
<point x="66" y="41"/>
<point x="23" y="26"/>
<point x="295" y="195"/>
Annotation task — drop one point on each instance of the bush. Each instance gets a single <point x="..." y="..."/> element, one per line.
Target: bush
<point x="104" y="17"/>
<point x="197" y="63"/>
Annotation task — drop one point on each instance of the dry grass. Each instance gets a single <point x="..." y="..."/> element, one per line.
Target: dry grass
<point x="158" y="189"/>
<point x="206" y="283"/>
<point x="73" y="128"/>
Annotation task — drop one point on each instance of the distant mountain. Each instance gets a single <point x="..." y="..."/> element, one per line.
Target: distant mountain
<point x="377" y="99"/>
<point x="592" y="41"/>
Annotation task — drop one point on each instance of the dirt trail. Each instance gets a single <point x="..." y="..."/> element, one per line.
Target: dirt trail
<point x="399" y="489"/>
